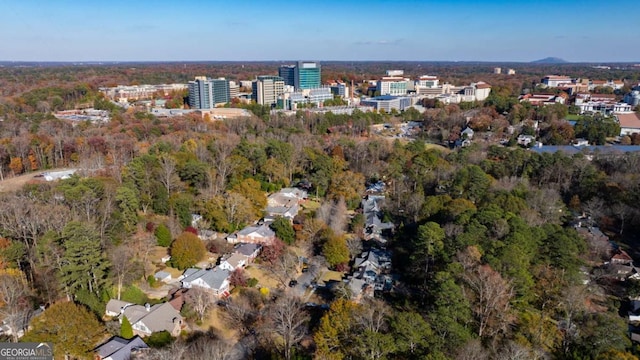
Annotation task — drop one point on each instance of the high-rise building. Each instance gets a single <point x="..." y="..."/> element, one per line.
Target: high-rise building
<point x="287" y="73"/>
<point x="206" y="93"/>
<point x="267" y="89"/>
<point x="307" y="75"/>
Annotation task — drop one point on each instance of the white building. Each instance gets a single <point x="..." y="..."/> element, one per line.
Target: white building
<point x="556" y="80"/>
<point x="392" y="85"/>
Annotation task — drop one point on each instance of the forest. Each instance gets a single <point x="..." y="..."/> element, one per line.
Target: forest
<point x="489" y="245"/>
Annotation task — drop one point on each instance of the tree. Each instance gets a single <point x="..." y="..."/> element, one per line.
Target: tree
<point x="428" y="244"/>
<point x="200" y="300"/>
<point x="122" y="266"/>
<point x="333" y="335"/>
<point x="412" y="333"/>
<point x="128" y="202"/>
<point x="335" y="250"/>
<point x="84" y="266"/>
<point x="284" y="230"/>
<point x="347" y="185"/>
<point x="72" y="329"/>
<point x="238" y="278"/>
<point x="490" y="294"/>
<point x="126" y="330"/>
<point x="14" y="305"/>
<point x="163" y="235"/>
<point x="186" y="250"/>
<point x="288" y="322"/>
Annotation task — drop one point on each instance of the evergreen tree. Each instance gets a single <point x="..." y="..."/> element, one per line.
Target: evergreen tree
<point x="284" y="230"/>
<point x="126" y="330"/>
<point x="163" y="235"/>
<point x="84" y="264"/>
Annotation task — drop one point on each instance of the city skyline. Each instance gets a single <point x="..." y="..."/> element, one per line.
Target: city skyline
<point x="379" y="30"/>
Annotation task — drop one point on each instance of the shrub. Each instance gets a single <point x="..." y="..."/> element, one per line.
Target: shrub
<point x="159" y="339"/>
<point x="163" y="235"/>
<point x="252" y="282"/>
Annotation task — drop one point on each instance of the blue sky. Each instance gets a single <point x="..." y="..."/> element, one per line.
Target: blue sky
<point x="453" y="30"/>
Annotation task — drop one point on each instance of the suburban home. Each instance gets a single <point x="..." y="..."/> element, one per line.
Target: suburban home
<point x="629" y="123"/>
<point x="371" y="264"/>
<point x="162" y="276"/>
<point x="285" y="203"/>
<point x="117" y="348"/>
<point x="148" y="319"/>
<point x="255" y="234"/>
<point x="359" y="289"/>
<point x="251" y="251"/>
<point x="233" y="262"/>
<point x="115" y="307"/>
<point x="467" y="133"/>
<point x="621" y="257"/>
<point x="216" y="280"/>
<point x="525" y="140"/>
<point x="372" y="214"/>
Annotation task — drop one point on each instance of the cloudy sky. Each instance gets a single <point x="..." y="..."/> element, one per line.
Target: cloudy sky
<point x="198" y="30"/>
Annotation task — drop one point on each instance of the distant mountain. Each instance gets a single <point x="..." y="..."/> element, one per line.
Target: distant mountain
<point x="550" y="60"/>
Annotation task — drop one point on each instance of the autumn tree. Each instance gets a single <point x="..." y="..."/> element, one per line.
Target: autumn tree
<point x="186" y="250"/>
<point x="14" y="299"/>
<point x="287" y="321"/>
<point x="335" y="250"/>
<point x="72" y="329"/>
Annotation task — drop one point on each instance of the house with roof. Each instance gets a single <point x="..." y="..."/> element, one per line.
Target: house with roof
<point x="374" y="226"/>
<point x="629" y="123"/>
<point x="467" y="133"/>
<point x="233" y="262"/>
<point x="254" y="234"/>
<point x="117" y="348"/>
<point x="147" y="319"/>
<point x="162" y="276"/>
<point x="216" y="280"/>
<point x="251" y="251"/>
<point x="371" y="264"/>
<point x="116" y="307"/>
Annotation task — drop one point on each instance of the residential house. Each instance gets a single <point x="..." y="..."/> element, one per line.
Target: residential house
<point x="117" y="348"/>
<point x="467" y="133"/>
<point x="621" y="257"/>
<point x="216" y="280"/>
<point x="148" y="319"/>
<point x="251" y="251"/>
<point x="525" y="140"/>
<point x="162" y="276"/>
<point x="254" y="234"/>
<point x="371" y="264"/>
<point x="233" y="262"/>
<point x="115" y="307"/>
<point x="629" y="123"/>
<point x="371" y="210"/>
<point x="359" y="289"/>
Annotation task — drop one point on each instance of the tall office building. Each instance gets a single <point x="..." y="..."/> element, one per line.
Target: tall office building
<point x="267" y="89"/>
<point x="307" y="75"/>
<point x="287" y="73"/>
<point x="206" y="93"/>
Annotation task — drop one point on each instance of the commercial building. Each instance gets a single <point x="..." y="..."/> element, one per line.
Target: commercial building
<point x="392" y="85"/>
<point x="307" y="75"/>
<point x="124" y="94"/>
<point x="205" y="93"/>
<point x="497" y="70"/>
<point x="388" y="103"/>
<point x="633" y="98"/>
<point x="287" y="73"/>
<point x="556" y="80"/>
<point x="267" y="89"/>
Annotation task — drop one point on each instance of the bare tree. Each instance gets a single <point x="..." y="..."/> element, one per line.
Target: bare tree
<point x="284" y="267"/>
<point x="373" y="315"/>
<point x="13" y="300"/>
<point x="240" y="313"/>
<point x="121" y="265"/>
<point x="200" y="300"/>
<point x="175" y="351"/>
<point x="489" y="293"/>
<point x="472" y="350"/>
<point x="168" y="176"/>
<point x="207" y="348"/>
<point x="288" y="321"/>
<point x="354" y="244"/>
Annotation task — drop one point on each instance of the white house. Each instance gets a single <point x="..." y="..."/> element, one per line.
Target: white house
<point x="233" y="262"/>
<point x="629" y="123"/>
<point x="216" y="280"/>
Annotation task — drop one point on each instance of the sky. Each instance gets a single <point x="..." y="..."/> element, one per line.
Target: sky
<point x="258" y="30"/>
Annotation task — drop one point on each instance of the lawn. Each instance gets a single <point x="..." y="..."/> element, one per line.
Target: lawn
<point x="264" y="280"/>
<point x="216" y="319"/>
<point x="572" y="117"/>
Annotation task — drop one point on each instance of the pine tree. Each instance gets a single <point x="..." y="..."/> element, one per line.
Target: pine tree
<point x="126" y="330"/>
<point x="84" y="264"/>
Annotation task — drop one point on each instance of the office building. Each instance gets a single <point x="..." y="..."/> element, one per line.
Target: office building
<point x="287" y="73"/>
<point x="205" y="93"/>
<point x="497" y="70"/>
<point x="307" y="75"/>
<point x="392" y="85"/>
<point x="388" y="103"/>
<point x="267" y="89"/>
<point x="234" y="90"/>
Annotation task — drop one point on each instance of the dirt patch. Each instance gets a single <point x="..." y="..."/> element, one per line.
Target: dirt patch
<point x="16" y="183"/>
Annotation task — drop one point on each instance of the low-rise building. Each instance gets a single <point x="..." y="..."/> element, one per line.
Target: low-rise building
<point x="146" y="320"/>
<point x="629" y="123"/>
<point x="117" y="348"/>
<point x="215" y="280"/>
